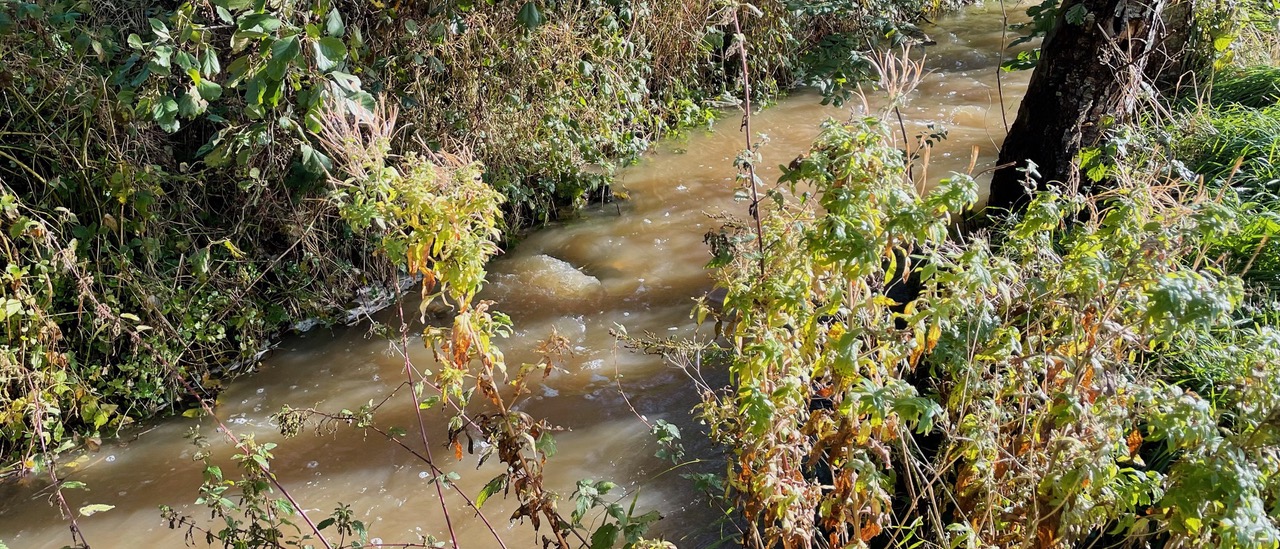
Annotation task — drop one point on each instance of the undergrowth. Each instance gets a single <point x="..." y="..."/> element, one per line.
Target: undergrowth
<point x="164" y="197"/>
<point x="1024" y="397"/>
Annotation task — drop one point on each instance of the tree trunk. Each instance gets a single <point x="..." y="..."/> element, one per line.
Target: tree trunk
<point x="1090" y="70"/>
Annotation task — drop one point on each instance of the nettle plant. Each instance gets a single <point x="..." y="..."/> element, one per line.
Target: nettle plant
<point x="896" y="382"/>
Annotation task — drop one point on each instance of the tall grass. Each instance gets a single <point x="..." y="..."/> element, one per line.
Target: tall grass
<point x="1220" y="138"/>
<point x="1256" y="87"/>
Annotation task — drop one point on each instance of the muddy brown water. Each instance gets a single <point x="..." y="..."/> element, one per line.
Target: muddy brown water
<point x="635" y="264"/>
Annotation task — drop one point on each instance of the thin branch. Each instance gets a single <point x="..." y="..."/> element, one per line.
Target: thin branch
<point x="746" y="128"/>
<point x="422" y="427"/>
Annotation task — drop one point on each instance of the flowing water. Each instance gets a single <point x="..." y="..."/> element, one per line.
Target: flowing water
<point x="635" y="264"/>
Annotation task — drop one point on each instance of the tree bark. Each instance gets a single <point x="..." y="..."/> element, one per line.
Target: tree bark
<point x="1090" y="70"/>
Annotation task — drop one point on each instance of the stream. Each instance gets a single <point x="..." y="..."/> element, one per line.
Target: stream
<point x="636" y="263"/>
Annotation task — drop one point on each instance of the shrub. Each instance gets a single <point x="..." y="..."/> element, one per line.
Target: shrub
<point x="1019" y="399"/>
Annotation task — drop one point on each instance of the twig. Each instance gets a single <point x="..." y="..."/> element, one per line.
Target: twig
<point x="422" y="427"/>
<point x="38" y="424"/>
<point x="746" y="127"/>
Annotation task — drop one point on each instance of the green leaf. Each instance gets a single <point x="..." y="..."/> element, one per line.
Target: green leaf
<point x="604" y="536"/>
<point x="330" y="52"/>
<point x="184" y="60"/>
<point x="89" y="510"/>
<point x="1193" y="524"/>
<point x="241" y="39"/>
<point x="259" y="23"/>
<point x="163" y="55"/>
<point x="225" y="15"/>
<point x="237" y="71"/>
<point x="283" y="52"/>
<point x="494" y="486"/>
<point x="546" y="444"/>
<point x="1076" y="14"/>
<point x="530" y="17"/>
<point x="347" y="82"/>
<point x="134" y="41"/>
<point x="165" y="113"/>
<point x="1221" y="43"/>
<point x="333" y="24"/>
<point x="318" y="164"/>
<point x="233" y="5"/>
<point x="253" y="95"/>
<point x="713" y="40"/>
<point x="209" y="64"/>
<point x="365" y="100"/>
<point x="272" y="93"/>
<point x="191" y="104"/>
<point x="159" y="28"/>
<point x="209" y="90"/>
<point x="10" y="308"/>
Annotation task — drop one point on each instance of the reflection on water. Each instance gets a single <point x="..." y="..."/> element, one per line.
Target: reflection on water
<point x="635" y="266"/>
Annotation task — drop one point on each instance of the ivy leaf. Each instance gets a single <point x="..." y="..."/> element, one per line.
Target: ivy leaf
<point x="330" y="52"/>
<point x="283" y="52"/>
<point x="333" y="24"/>
<point x="89" y="510"/>
<point x="530" y="17"/>
<point x="134" y="41"/>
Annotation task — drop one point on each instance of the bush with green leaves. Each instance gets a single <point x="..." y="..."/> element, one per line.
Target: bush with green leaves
<point x="1020" y="399"/>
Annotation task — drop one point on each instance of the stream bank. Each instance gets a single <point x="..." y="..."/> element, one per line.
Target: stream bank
<point x="636" y="264"/>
